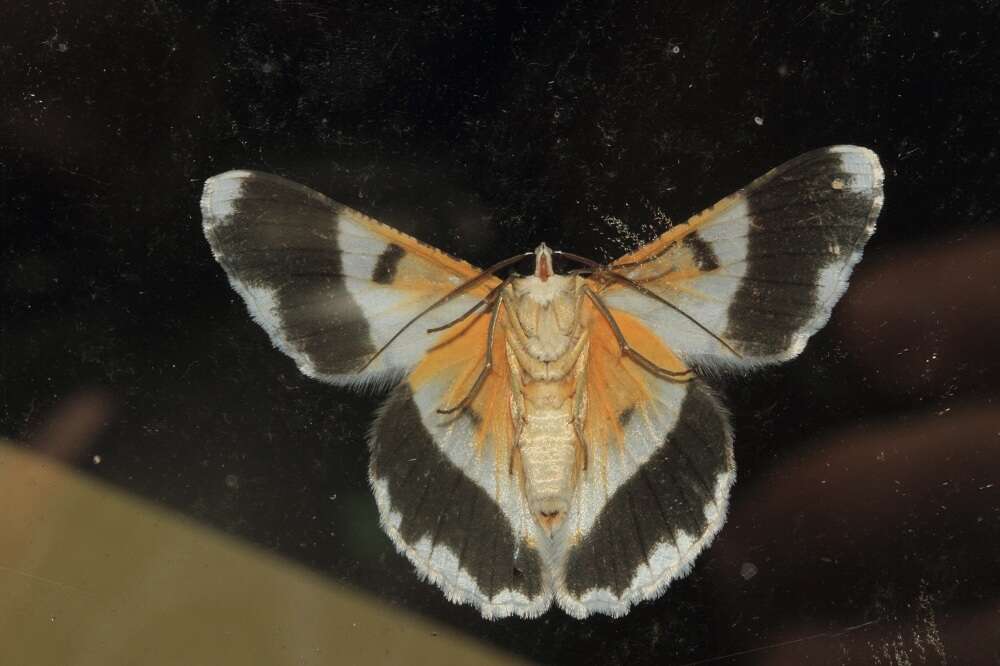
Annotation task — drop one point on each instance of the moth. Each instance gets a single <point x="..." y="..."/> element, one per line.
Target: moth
<point x="548" y="437"/>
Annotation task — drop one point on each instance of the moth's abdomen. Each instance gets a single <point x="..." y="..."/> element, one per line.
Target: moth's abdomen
<point x="548" y="457"/>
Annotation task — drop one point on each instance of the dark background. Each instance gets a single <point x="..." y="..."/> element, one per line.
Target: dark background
<point x="865" y="525"/>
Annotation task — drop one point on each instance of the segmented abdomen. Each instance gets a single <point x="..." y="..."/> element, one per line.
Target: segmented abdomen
<point x="548" y="454"/>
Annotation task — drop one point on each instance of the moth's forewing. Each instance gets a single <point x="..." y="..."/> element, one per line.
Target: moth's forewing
<point x="329" y="285"/>
<point x="753" y="277"/>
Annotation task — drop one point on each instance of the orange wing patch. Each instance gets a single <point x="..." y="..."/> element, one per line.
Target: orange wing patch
<point x="618" y="388"/>
<point x="456" y="359"/>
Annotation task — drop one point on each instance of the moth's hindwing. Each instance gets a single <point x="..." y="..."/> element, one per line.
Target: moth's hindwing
<point x="753" y="277"/>
<point x="446" y="493"/>
<point x="328" y="284"/>
<point x="656" y="489"/>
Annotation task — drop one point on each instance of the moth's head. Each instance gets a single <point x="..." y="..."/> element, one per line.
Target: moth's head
<point x="543" y="262"/>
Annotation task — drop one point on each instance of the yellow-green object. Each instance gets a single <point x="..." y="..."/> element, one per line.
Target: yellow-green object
<point x="90" y="575"/>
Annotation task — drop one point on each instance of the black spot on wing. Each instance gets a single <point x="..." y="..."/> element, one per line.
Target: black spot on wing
<point x="625" y="416"/>
<point x="704" y="256"/>
<point x="803" y="219"/>
<point x="663" y="496"/>
<point x="280" y="238"/>
<point x="388" y="262"/>
<point x="445" y="505"/>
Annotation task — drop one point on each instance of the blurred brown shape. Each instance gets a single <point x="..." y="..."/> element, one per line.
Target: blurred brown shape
<point x="928" y="318"/>
<point x="73" y="425"/>
<point x="847" y="505"/>
<point x="878" y="542"/>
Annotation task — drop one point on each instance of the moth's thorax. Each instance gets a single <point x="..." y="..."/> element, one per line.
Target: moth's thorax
<point x="546" y="315"/>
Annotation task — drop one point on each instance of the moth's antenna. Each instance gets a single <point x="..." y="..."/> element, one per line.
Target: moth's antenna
<point x="601" y="269"/>
<point x="581" y="260"/>
<point x="481" y="302"/>
<point x="682" y="376"/>
<point x="652" y="294"/>
<point x="465" y="286"/>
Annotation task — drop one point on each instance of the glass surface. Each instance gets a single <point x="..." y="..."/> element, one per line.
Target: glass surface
<point x="864" y="526"/>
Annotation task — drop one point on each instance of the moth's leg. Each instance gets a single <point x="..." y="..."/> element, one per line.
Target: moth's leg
<point x="487" y="360"/>
<point x="515" y="446"/>
<point x="580" y="405"/>
<point x="516" y="406"/>
<point x="686" y="375"/>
